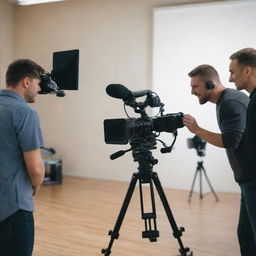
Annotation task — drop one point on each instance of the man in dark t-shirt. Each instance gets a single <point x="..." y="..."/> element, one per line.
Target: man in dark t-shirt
<point x="243" y="73"/>
<point x="231" y="108"/>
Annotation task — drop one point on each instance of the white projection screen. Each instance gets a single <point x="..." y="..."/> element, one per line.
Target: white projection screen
<point x="185" y="37"/>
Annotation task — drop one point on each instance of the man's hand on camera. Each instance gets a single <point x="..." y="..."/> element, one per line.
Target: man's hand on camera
<point x="210" y="137"/>
<point x="190" y="122"/>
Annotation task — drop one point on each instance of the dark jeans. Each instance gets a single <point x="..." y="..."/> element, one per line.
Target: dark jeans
<point x="17" y="234"/>
<point x="247" y="220"/>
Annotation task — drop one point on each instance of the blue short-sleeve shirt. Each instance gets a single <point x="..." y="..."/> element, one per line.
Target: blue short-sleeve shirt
<point x="19" y="132"/>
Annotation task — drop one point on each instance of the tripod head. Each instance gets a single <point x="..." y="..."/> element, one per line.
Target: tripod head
<point x="141" y="152"/>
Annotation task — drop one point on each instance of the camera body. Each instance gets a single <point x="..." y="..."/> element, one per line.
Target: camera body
<point x="198" y="144"/>
<point x="120" y="131"/>
<point x="48" y="85"/>
<point x="64" y="75"/>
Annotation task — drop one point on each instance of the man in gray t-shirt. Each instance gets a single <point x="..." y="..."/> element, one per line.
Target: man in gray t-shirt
<point x="231" y="108"/>
<point x="21" y="165"/>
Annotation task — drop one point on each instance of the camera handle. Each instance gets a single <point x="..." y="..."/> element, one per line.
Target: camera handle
<point x="167" y="149"/>
<point x="163" y="150"/>
<point x="119" y="153"/>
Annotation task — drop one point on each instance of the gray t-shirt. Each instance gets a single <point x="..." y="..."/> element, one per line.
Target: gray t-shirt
<point x="231" y="116"/>
<point x="19" y="132"/>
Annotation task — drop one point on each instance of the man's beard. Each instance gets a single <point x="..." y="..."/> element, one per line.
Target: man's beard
<point x="203" y="100"/>
<point x="29" y="98"/>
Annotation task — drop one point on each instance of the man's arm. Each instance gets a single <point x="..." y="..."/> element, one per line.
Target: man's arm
<point x="210" y="137"/>
<point x="35" y="168"/>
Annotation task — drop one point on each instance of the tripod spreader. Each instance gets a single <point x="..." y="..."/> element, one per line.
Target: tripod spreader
<point x="179" y="232"/>
<point x="149" y="218"/>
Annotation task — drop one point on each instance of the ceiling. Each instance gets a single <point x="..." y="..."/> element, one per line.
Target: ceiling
<point x="30" y="2"/>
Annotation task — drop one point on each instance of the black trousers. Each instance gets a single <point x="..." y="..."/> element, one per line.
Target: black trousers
<point x="17" y="234"/>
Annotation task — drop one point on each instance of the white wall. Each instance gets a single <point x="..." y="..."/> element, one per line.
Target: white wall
<point x="6" y="38"/>
<point x="115" y="42"/>
<point x="185" y="37"/>
<point x="109" y="52"/>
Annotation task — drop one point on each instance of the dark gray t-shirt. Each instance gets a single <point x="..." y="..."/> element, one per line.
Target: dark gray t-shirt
<point x="231" y="116"/>
<point x="19" y="132"/>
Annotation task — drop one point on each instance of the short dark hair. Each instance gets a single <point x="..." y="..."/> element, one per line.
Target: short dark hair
<point x="206" y="72"/>
<point x="20" y="69"/>
<point x="245" y="57"/>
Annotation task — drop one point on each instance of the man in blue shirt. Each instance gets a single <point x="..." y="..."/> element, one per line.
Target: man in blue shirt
<point x="21" y="165"/>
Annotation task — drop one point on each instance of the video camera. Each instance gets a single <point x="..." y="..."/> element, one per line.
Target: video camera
<point x="141" y="133"/>
<point x="198" y="144"/>
<point x="121" y="131"/>
<point x="64" y="75"/>
<point x="48" y="86"/>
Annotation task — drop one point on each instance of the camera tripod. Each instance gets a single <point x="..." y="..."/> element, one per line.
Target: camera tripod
<point x="141" y="153"/>
<point x="199" y="170"/>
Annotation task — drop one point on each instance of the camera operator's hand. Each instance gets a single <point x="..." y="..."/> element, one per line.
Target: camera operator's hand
<point x="210" y="137"/>
<point x="190" y="122"/>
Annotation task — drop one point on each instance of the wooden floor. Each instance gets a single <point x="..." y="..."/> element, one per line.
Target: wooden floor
<point x="73" y="219"/>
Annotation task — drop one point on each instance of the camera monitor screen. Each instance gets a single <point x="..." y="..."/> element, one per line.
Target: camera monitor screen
<point x="65" y="69"/>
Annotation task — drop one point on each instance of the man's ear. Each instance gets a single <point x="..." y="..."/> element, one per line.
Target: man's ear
<point x="248" y="70"/>
<point x="26" y="82"/>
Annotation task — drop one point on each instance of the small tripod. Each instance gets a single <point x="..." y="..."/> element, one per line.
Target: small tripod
<point x="141" y="153"/>
<point x="199" y="170"/>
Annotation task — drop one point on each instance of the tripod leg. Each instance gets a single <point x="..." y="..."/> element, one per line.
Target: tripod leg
<point x="210" y="185"/>
<point x="200" y="185"/>
<point x="177" y="233"/>
<point x="192" y="187"/>
<point x="115" y="233"/>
